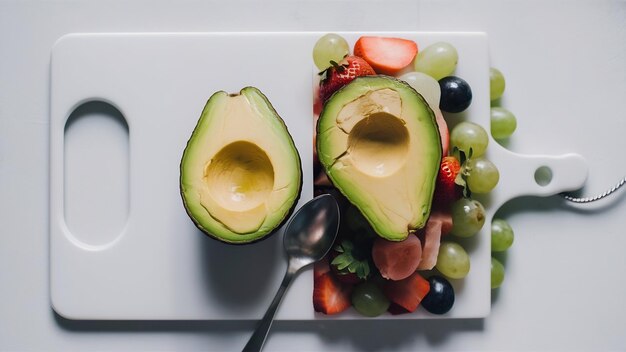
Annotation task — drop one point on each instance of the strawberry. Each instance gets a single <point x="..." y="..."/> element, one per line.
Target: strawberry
<point x="345" y="276"/>
<point x="340" y="74"/>
<point x="329" y="295"/>
<point x="321" y="267"/>
<point x="317" y="104"/>
<point x="386" y="55"/>
<point x="406" y="295"/>
<point x="446" y="188"/>
<point x="349" y="262"/>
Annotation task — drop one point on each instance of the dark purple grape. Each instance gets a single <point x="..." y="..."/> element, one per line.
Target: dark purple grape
<point x="440" y="298"/>
<point x="456" y="94"/>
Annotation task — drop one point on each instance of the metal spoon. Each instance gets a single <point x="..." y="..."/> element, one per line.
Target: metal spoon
<point x="308" y="237"/>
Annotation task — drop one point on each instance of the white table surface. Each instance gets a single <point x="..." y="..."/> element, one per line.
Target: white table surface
<point x="565" y="63"/>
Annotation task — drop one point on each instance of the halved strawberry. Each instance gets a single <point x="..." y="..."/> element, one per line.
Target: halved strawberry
<point x="406" y="295"/>
<point x="386" y="55"/>
<point x="342" y="73"/>
<point x="329" y="295"/>
<point x="321" y="267"/>
<point x="344" y="276"/>
<point x="446" y="189"/>
<point x="350" y="262"/>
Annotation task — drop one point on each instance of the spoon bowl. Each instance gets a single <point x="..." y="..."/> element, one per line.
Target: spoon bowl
<point x="309" y="235"/>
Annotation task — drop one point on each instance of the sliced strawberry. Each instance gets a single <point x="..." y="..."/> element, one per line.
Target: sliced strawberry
<point x="446" y="189"/>
<point x="431" y="240"/>
<point x="386" y="55"/>
<point x="321" y="267"/>
<point x="396" y="309"/>
<point x="329" y="295"/>
<point x="397" y="260"/>
<point x="346" y="278"/>
<point x="342" y="73"/>
<point x="406" y="295"/>
<point x="317" y="104"/>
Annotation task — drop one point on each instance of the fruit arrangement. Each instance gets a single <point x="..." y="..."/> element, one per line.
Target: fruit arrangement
<point x="404" y="181"/>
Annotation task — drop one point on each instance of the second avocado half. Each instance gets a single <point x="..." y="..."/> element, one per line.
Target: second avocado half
<point x="379" y="144"/>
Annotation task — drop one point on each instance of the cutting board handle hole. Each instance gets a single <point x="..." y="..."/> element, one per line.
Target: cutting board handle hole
<point x="96" y="174"/>
<point x="543" y="176"/>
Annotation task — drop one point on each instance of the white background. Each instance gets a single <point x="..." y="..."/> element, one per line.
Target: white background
<point x="565" y="64"/>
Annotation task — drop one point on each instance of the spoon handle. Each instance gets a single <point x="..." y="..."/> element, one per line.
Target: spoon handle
<point x="260" y="334"/>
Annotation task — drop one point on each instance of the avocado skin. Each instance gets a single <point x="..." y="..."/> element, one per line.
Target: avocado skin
<point x="291" y="209"/>
<point x="393" y="81"/>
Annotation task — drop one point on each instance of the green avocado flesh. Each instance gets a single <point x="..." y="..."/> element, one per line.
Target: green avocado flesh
<point x="379" y="144"/>
<point x="240" y="174"/>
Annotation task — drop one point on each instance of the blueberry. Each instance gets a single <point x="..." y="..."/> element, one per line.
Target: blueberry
<point x="440" y="298"/>
<point x="456" y="94"/>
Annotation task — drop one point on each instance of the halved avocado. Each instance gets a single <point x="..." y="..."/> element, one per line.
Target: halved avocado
<point x="379" y="143"/>
<point x="240" y="174"/>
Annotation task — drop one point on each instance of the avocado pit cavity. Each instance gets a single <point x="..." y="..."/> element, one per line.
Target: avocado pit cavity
<point x="379" y="144"/>
<point x="240" y="176"/>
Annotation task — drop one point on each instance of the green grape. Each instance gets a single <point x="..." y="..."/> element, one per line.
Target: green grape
<point x="437" y="60"/>
<point x="369" y="300"/>
<point x="330" y="47"/>
<point x="496" y="83"/>
<point x="452" y="260"/>
<point x="503" y="123"/>
<point x="468" y="135"/>
<point x="427" y="86"/>
<point x="501" y="235"/>
<point x="482" y="175"/>
<point x="468" y="217"/>
<point x="497" y="273"/>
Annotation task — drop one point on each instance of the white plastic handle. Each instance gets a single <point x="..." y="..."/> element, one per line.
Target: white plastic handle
<point x="536" y="175"/>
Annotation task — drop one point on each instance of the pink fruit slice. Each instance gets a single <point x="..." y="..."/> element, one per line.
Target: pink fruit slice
<point x="445" y="218"/>
<point x="443" y="131"/>
<point x="432" y="239"/>
<point x="397" y="260"/>
<point x="407" y="294"/>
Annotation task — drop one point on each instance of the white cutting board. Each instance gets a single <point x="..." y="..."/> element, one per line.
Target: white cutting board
<point x="121" y="244"/>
